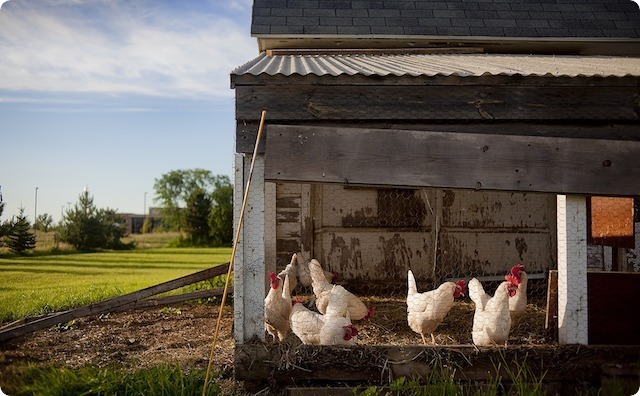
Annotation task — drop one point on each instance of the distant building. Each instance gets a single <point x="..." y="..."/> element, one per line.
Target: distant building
<point x="134" y="222"/>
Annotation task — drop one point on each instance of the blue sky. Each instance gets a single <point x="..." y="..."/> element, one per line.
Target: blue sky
<point x="112" y="94"/>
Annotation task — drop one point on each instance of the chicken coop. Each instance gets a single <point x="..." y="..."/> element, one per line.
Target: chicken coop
<point x="455" y="161"/>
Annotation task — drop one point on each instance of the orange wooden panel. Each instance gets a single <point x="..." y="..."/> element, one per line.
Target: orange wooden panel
<point x="611" y="222"/>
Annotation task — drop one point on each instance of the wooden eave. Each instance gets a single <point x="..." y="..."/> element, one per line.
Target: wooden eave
<point x="416" y="81"/>
<point x="614" y="46"/>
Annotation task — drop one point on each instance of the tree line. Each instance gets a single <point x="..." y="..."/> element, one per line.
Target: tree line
<point x="192" y="201"/>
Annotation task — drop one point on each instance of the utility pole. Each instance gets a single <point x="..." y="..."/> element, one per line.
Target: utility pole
<point x="35" y="212"/>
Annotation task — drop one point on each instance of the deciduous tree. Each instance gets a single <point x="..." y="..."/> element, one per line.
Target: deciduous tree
<point x="173" y="189"/>
<point x="43" y="222"/>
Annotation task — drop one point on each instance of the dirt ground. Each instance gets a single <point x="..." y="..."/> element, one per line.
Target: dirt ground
<point x="184" y="333"/>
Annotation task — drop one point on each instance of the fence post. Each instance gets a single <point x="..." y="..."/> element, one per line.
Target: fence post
<point x="572" y="269"/>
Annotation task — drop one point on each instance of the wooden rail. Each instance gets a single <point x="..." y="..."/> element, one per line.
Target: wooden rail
<point x="131" y="300"/>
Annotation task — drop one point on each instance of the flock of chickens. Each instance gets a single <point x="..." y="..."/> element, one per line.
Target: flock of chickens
<point x="335" y="307"/>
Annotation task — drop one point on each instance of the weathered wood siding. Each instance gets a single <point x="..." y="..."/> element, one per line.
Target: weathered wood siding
<point x="379" y="233"/>
<point x="416" y="159"/>
<point x="633" y="255"/>
<point x="488" y="232"/>
<point x="570" y="99"/>
<point x="293" y="221"/>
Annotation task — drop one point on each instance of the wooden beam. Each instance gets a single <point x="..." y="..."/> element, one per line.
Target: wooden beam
<point x="538" y="100"/>
<point x="415" y="159"/>
<point x="551" y="319"/>
<point x="174" y="299"/>
<point x="112" y="303"/>
<point x="566" y="367"/>
<point x="246" y="130"/>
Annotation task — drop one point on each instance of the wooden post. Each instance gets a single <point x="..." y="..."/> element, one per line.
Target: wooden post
<point x="249" y="274"/>
<point x="572" y="270"/>
<point x="551" y="321"/>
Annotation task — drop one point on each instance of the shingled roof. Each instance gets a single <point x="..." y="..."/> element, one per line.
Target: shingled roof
<point x="494" y="18"/>
<point x="573" y="20"/>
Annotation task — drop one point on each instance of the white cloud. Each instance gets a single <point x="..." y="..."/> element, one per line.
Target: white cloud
<point x="144" y="48"/>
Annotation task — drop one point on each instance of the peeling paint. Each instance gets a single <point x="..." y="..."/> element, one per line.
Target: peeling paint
<point x="448" y="198"/>
<point x="378" y="234"/>
<point x="396" y="256"/>
<point x="287" y="216"/>
<point x="344" y="258"/>
<point x="359" y="217"/>
<point x="521" y="247"/>
<point x="306" y="234"/>
<point x="288" y="202"/>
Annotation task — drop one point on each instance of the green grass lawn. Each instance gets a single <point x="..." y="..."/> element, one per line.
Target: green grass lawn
<point x="42" y="284"/>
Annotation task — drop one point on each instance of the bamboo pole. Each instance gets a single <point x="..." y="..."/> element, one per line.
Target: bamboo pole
<point x="233" y="252"/>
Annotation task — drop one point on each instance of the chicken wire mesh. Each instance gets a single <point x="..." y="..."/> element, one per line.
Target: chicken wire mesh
<point x="368" y="239"/>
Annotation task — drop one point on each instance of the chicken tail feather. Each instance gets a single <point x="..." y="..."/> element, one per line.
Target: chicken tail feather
<point x="411" y="280"/>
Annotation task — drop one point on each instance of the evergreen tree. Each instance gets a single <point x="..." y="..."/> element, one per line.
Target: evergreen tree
<point x="87" y="227"/>
<point x="197" y="216"/>
<point x="21" y="238"/>
<point x="3" y="225"/>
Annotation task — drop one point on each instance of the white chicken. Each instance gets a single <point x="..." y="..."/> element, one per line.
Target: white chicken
<point x="345" y="302"/>
<point x="477" y="293"/>
<point x="316" y="329"/>
<point x="491" y="320"/>
<point x="304" y="274"/>
<point x="292" y="270"/>
<point x="337" y="329"/>
<point x="425" y="311"/>
<point x="305" y="323"/>
<point x="277" y="307"/>
<point x="518" y="303"/>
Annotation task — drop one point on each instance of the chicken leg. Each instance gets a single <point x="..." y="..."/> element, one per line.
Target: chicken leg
<point x="424" y="341"/>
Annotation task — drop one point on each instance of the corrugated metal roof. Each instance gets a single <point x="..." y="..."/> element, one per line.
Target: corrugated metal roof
<point x="462" y="65"/>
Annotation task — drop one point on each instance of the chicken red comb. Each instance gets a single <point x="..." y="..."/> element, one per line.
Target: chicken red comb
<point x="350" y="331"/>
<point x="297" y="300"/>
<point x="354" y="330"/>
<point x="512" y="279"/>
<point x="460" y="288"/>
<point x="272" y="275"/>
<point x="347" y="333"/>
<point x="517" y="269"/>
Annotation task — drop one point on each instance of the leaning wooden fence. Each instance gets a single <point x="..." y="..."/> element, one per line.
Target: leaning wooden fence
<point x="131" y="301"/>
